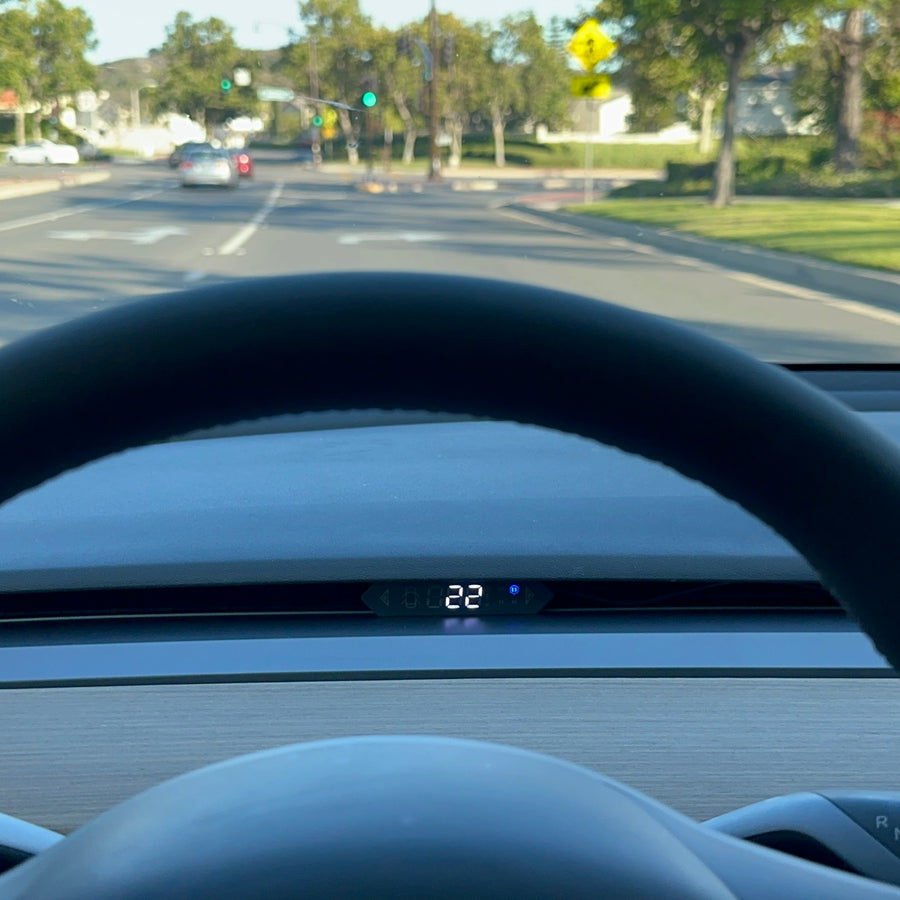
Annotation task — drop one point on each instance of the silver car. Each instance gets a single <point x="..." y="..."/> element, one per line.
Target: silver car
<point x="208" y="167"/>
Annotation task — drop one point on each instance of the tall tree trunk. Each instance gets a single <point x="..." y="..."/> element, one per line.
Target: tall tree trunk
<point x="498" y="128"/>
<point x="409" y="127"/>
<point x="708" y="107"/>
<point x="409" y="145"/>
<point x="20" y="125"/>
<point x="723" y="180"/>
<point x="387" y="148"/>
<point x="347" y="129"/>
<point x="849" y="121"/>
<point x="456" y="140"/>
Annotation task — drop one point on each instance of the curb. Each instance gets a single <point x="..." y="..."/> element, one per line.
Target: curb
<point x="10" y="191"/>
<point x="474" y="184"/>
<point x="850" y="282"/>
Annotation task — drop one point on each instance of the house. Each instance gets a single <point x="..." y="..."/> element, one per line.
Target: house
<point x="765" y="106"/>
<point x="599" y="120"/>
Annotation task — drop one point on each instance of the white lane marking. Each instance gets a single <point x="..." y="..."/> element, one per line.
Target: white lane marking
<point x="193" y="276"/>
<point x="411" y="237"/>
<point x="854" y="307"/>
<point x="323" y="197"/>
<point x="77" y="210"/>
<point x="850" y="306"/>
<point x="145" y="237"/>
<point x="537" y="220"/>
<point x="238" y="240"/>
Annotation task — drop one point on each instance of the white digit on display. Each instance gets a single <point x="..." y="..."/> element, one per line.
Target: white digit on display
<point x="473" y="597"/>
<point x="454" y="595"/>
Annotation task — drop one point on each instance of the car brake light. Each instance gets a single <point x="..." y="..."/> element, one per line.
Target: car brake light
<point x="244" y="159"/>
<point x="187" y="165"/>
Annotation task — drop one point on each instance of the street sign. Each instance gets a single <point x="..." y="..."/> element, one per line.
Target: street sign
<point x="594" y="87"/>
<point x="590" y="45"/>
<point x="275" y="94"/>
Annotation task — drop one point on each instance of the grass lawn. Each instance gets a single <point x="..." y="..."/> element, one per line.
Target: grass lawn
<point x="862" y="234"/>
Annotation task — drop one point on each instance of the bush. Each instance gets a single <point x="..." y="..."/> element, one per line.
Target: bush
<point x="678" y="172"/>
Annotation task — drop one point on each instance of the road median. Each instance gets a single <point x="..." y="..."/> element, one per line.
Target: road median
<point x="13" y="188"/>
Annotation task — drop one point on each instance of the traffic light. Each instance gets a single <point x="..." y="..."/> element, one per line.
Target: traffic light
<point x="368" y="99"/>
<point x="318" y="120"/>
<point x="225" y="84"/>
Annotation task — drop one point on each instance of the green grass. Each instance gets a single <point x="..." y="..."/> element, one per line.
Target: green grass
<point x="845" y="232"/>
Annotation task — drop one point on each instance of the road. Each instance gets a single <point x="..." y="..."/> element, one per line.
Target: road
<point x="138" y="233"/>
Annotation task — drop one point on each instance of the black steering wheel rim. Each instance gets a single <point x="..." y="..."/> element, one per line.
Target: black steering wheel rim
<point x="156" y="368"/>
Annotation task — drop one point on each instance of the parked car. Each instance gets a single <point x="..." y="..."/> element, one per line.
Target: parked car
<point x="39" y="153"/>
<point x="243" y="161"/>
<point x="182" y="150"/>
<point x="213" y="168"/>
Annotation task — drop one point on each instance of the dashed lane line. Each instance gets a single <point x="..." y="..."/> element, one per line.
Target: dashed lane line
<point x="234" y="243"/>
<point x="55" y="216"/>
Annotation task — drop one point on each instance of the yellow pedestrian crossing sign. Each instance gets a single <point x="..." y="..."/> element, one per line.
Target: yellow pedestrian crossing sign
<point x="596" y="87"/>
<point x="590" y="45"/>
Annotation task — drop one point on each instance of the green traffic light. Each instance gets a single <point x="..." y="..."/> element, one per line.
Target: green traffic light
<point x="369" y="99"/>
<point x="317" y="121"/>
<point x="225" y="84"/>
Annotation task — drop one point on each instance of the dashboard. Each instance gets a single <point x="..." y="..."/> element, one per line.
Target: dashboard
<point x="380" y="573"/>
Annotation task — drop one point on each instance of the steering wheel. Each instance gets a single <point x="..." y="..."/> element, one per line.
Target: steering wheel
<point x="433" y="817"/>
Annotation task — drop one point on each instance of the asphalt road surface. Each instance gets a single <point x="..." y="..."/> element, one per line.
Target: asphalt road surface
<point x="80" y="249"/>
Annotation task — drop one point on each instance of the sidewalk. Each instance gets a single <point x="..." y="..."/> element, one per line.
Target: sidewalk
<point x="12" y="187"/>
<point x="489" y="172"/>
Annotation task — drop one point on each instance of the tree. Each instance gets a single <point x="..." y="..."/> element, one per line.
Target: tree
<point x="17" y="61"/>
<point x="850" y="98"/>
<point x="728" y="29"/>
<point x="198" y="57"/>
<point x="466" y="71"/>
<point x="882" y="78"/>
<point x="828" y="48"/>
<point x="543" y="66"/>
<point x="334" y="55"/>
<point x="60" y="38"/>
<point x="527" y="78"/>
<point x="398" y="65"/>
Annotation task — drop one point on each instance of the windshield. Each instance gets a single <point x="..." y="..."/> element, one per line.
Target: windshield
<point x="732" y="166"/>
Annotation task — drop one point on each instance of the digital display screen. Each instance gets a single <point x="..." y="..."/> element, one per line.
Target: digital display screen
<point x="463" y="597"/>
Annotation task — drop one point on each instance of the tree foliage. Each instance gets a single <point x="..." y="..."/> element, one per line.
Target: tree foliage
<point x="701" y="30"/>
<point x="197" y="56"/>
<point x="43" y="47"/>
<point x="505" y="74"/>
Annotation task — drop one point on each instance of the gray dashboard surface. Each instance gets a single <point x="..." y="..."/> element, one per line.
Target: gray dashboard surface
<point x="419" y="500"/>
<point x="703" y="746"/>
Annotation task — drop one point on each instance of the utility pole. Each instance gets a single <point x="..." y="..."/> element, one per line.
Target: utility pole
<point x="434" y="156"/>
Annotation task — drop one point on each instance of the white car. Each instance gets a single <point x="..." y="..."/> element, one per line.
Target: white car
<point x="40" y="153"/>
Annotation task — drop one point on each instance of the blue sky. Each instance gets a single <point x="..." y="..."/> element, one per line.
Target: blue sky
<point x="126" y="29"/>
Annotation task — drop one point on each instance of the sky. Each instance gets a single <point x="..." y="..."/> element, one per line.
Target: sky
<point x="130" y="29"/>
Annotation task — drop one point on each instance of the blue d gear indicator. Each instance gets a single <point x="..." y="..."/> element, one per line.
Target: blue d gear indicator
<point x="514" y="589"/>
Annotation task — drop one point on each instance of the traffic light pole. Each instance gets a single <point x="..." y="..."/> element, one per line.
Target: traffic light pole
<point x="434" y="157"/>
